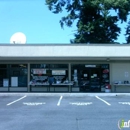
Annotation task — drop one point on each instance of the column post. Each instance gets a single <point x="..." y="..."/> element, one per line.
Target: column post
<point x="28" y="80"/>
<point x="69" y="75"/>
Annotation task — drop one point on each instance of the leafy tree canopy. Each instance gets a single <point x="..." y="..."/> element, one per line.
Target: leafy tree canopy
<point x="95" y="22"/>
<point x="128" y="33"/>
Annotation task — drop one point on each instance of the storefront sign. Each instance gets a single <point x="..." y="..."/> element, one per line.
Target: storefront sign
<point x="58" y="72"/>
<point x="90" y="65"/>
<point x="39" y="71"/>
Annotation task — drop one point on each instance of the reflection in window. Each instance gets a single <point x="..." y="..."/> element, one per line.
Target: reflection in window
<point x="59" y="66"/>
<point x="3" y="75"/>
<point x="39" y="65"/>
<point x="18" y="66"/>
<point x="3" y="66"/>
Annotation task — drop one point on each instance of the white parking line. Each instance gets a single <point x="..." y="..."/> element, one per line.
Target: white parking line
<point x="58" y="104"/>
<point x="34" y="103"/>
<point x="103" y="100"/>
<point x="16" y="100"/>
<point x="124" y="103"/>
<point x="80" y="103"/>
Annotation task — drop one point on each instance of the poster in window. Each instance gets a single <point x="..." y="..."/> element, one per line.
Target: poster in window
<point x="39" y="71"/>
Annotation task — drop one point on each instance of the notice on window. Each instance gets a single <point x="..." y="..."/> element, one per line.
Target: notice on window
<point x="14" y="81"/>
<point x="58" y="72"/>
<point x="85" y="75"/>
<point x="126" y="74"/>
<point x="5" y="82"/>
<point x="75" y="71"/>
<point x="95" y="75"/>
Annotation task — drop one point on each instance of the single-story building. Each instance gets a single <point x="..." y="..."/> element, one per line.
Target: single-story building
<point x="75" y="67"/>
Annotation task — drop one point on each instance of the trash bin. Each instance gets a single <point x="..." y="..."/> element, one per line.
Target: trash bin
<point x="108" y="88"/>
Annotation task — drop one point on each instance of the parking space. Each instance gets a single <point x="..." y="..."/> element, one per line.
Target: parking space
<point x="4" y="100"/>
<point x="120" y="101"/>
<point x="62" y="112"/>
<point x="33" y="102"/>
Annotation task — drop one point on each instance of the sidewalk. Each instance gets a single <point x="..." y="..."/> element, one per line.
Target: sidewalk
<point x="65" y="94"/>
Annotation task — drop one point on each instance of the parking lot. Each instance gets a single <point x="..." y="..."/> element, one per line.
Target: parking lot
<point x="63" y="112"/>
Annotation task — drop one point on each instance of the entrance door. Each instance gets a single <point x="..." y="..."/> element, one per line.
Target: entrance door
<point x="95" y="80"/>
<point x="85" y="80"/>
<point x="90" y="80"/>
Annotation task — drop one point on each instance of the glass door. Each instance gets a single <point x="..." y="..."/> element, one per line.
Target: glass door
<point x="85" y="80"/>
<point x="90" y="78"/>
<point x="95" y="81"/>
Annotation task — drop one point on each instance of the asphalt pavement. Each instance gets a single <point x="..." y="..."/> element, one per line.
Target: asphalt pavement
<point x="63" y="112"/>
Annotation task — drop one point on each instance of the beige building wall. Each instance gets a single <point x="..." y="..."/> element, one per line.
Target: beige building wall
<point x="120" y="72"/>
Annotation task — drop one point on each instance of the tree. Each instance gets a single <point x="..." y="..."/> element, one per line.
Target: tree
<point x="128" y="33"/>
<point x="95" y="22"/>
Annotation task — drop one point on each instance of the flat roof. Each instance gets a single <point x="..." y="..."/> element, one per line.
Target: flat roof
<point x="66" y="51"/>
<point x="69" y="44"/>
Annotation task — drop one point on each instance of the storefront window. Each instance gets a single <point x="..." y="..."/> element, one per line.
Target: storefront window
<point x="39" y="65"/>
<point x="75" y="76"/>
<point x="90" y="77"/>
<point x="60" y="72"/>
<point x="105" y="75"/>
<point x="4" y="76"/>
<point x="18" y="75"/>
<point x="59" y="66"/>
<point x="13" y="75"/>
<point x="40" y="73"/>
<point x="3" y="66"/>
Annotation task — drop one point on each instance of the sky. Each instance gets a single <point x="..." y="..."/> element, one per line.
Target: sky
<point x="40" y="25"/>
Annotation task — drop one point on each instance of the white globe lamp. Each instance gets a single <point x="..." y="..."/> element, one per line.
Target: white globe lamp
<point x="18" y="38"/>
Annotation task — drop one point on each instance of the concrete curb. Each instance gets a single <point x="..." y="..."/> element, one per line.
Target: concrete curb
<point x="65" y="94"/>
